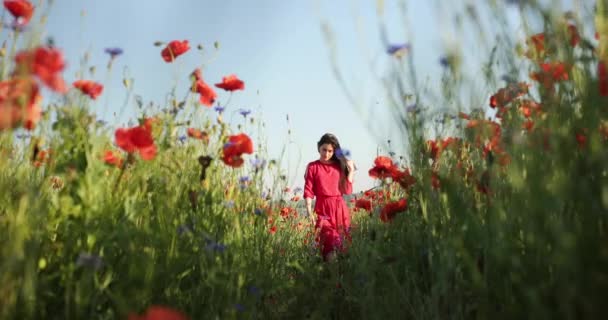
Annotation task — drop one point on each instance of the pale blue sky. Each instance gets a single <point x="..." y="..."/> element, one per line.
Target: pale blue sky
<point x="275" y="46"/>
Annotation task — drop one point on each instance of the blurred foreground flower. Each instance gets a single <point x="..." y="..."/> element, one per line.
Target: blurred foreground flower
<point x="19" y="103"/>
<point x="159" y="313"/>
<point x="398" y="50"/>
<point x="22" y="10"/>
<point x="44" y="62"/>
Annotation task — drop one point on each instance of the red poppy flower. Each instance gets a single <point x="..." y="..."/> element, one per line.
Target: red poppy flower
<point x="198" y="134"/>
<point x="575" y="38"/>
<point x="507" y="94"/>
<point x="136" y="139"/>
<point x="391" y="209"/>
<point x="364" y="204"/>
<point x="19" y="103"/>
<point x="207" y="94"/>
<point x="581" y="139"/>
<point x="383" y="168"/>
<point x="174" y="49"/>
<point x="112" y="158"/>
<point x="602" y="76"/>
<point x="435" y="182"/>
<point x="159" y="313"/>
<point x="238" y="144"/>
<point x="404" y="178"/>
<point x="46" y="63"/>
<point x="550" y="73"/>
<point x="22" y="10"/>
<point x="90" y="88"/>
<point x="231" y="83"/>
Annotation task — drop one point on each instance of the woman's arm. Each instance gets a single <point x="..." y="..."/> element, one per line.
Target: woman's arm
<point x="309" y="193"/>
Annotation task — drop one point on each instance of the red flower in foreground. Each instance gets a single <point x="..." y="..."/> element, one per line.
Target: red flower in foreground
<point x="602" y="77"/>
<point x="364" y="204"/>
<point x="391" y="209"/>
<point x="234" y="149"/>
<point x="159" y="313"/>
<point x="550" y="73"/>
<point x="231" y="83"/>
<point x="174" y="49"/>
<point x="507" y="94"/>
<point x="88" y="87"/>
<point x="137" y="139"/>
<point x="22" y="10"/>
<point x="46" y="63"/>
<point x="19" y="103"/>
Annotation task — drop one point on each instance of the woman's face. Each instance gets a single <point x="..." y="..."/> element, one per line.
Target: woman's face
<point x="326" y="151"/>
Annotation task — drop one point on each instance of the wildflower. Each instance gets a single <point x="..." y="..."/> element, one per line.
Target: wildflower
<point x="297" y="190"/>
<point x="90" y="261"/>
<point x="19" y="103"/>
<point x="239" y="307"/>
<point x="507" y="94"/>
<point x="113" y="52"/>
<point x="183" y="229"/>
<point x="90" y="88"/>
<point x="258" y="163"/>
<point x="444" y="61"/>
<point x="44" y="62"/>
<point x="390" y="210"/>
<point x="182" y="138"/>
<point x="22" y="10"/>
<point x="213" y="246"/>
<point x="234" y="149"/>
<point x="159" y="313"/>
<point x="231" y="83"/>
<point x="244" y="112"/>
<point x="343" y="153"/>
<point x="112" y="158"/>
<point x="383" y="168"/>
<point x="398" y="50"/>
<point x="174" y="49"/>
<point x="219" y="109"/>
<point x="602" y="76"/>
<point x="137" y="139"/>
<point x="413" y="108"/>
<point x="364" y="204"/>
<point x="198" y="134"/>
<point x="258" y="211"/>
<point x="550" y="73"/>
<point x="205" y="162"/>
<point x="207" y="95"/>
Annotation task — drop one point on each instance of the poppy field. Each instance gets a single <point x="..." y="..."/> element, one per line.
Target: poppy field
<point x="495" y="212"/>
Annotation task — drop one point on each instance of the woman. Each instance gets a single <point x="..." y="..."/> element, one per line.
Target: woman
<point x="328" y="179"/>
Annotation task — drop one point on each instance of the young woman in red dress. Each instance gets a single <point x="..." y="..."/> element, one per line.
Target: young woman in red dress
<point x="327" y="179"/>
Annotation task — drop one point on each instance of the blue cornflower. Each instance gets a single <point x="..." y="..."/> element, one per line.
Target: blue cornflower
<point x="398" y="49"/>
<point x="244" y="112"/>
<point x="244" y="179"/>
<point x="214" y="246"/>
<point x="113" y="52"/>
<point x="343" y="153"/>
<point x="297" y="190"/>
<point x="258" y="163"/>
<point x="183" y="229"/>
<point x="444" y="61"/>
<point x="413" y="108"/>
<point x="219" y="109"/>
<point x="182" y="138"/>
<point x="254" y="290"/>
<point x="89" y="260"/>
<point x="257" y="211"/>
<point x="239" y="307"/>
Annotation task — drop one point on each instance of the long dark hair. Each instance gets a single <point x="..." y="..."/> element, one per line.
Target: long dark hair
<point x="329" y="138"/>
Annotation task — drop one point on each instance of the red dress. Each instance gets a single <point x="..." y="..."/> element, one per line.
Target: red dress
<point x="322" y="181"/>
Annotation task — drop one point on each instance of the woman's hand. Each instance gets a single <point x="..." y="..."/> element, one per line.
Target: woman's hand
<point x="350" y="164"/>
